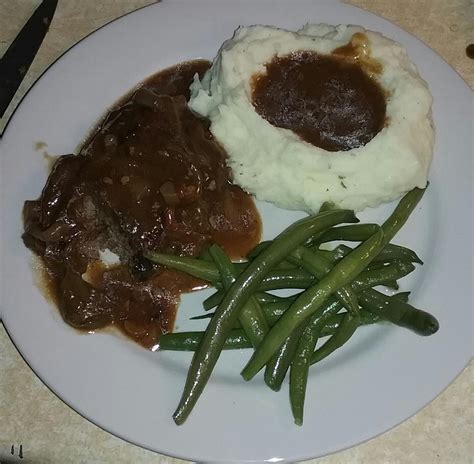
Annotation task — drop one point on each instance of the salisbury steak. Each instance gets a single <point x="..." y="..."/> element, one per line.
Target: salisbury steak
<point x="150" y="177"/>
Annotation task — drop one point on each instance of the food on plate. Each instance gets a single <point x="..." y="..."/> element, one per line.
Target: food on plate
<point x="151" y="176"/>
<point x="298" y="322"/>
<point x="323" y="114"/>
<point x="328" y="120"/>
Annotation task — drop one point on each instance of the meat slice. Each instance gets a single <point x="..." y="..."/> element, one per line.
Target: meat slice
<point x="151" y="176"/>
<point x="59" y="187"/>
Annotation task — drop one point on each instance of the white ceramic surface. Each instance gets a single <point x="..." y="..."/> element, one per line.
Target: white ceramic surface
<point x="380" y="378"/>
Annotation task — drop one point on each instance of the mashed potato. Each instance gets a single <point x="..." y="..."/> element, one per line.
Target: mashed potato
<point x="277" y="165"/>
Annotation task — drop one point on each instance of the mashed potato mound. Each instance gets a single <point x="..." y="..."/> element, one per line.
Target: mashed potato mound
<point x="276" y="165"/>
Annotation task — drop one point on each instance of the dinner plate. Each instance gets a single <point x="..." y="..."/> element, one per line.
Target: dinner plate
<point x="380" y="378"/>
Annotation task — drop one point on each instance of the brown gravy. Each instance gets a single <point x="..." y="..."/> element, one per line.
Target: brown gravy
<point x="330" y="101"/>
<point x="150" y="177"/>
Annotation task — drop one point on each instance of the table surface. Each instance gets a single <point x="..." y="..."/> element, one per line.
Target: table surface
<point x="50" y="432"/>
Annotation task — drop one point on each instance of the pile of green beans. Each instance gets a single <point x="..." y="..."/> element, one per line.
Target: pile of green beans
<point x="336" y="296"/>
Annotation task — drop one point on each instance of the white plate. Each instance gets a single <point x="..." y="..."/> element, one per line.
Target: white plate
<point x="383" y="376"/>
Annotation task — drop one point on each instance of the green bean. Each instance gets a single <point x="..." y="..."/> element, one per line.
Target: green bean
<point x="398" y="312"/>
<point x="299" y="374"/>
<point x="284" y="266"/>
<point x="273" y="308"/>
<point x="262" y="297"/>
<point x="312" y="299"/>
<point x="275" y="279"/>
<point x="319" y="265"/>
<point x="253" y="321"/>
<point x="251" y="316"/>
<point x="291" y="278"/>
<point x="366" y="318"/>
<point x="205" y="255"/>
<point x="188" y="341"/>
<point x="390" y="253"/>
<point x="361" y="232"/>
<point x="196" y="267"/>
<point x="223" y="265"/>
<point x="245" y="285"/>
<point x="393" y="252"/>
<point x="374" y="277"/>
<point x="330" y="255"/>
<point x="273" y="311"/>
<point x="391" y="284"/>
<point x="337" y="253"/>
<point x="202" y="316"/>
<point x="376" y="265"/>
<point x="299" y="370"/>
<point x="371" y="278"/>
<point x="294" y="278"/>
<point x="342" y="326"/>
<point x="278" y="365"/>
<point x="302" y="358"/>
<point x="327" y="206"/>
<point x="348" y="326"/>
<point x="332" y="324"/>
<point x="213" y="300"/>
<point x="236" y="340"/>
<point x="367" y="279"/>
<point x="341" y="251"/>
<point x="352" y="233"/>
<point x="309" y="261"/>
<point x="402" y="296"/>
<point x="401" y="213"/>
<point x="258" y="249"/>
<point x="240" y="266"/>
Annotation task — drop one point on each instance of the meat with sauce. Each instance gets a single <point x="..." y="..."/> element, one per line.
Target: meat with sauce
<point x="151" y="177"/>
